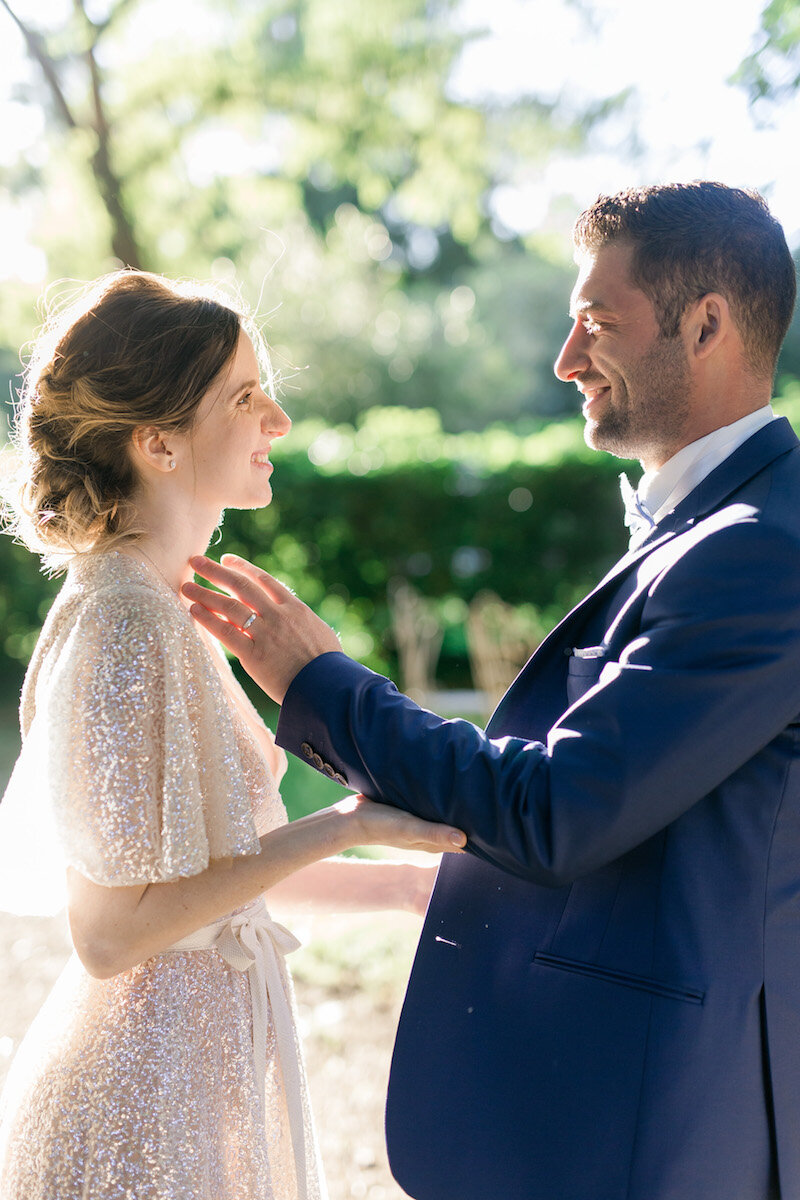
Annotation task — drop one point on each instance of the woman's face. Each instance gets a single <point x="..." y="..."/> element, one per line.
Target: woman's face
<point x="227" y="448"/>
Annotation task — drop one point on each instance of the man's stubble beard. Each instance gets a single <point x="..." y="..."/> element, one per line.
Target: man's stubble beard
<point x="648" y="417"/>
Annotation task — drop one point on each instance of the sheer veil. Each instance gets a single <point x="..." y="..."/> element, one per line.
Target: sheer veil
<point x="32" y="873"/>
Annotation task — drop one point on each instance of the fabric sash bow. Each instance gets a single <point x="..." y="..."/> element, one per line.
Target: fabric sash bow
<point x="252" y="942"/>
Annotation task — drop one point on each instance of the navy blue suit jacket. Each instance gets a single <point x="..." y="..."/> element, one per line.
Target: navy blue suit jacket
<point x="605" y="1002"/>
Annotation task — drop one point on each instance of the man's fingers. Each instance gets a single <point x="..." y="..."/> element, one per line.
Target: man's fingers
<point x="225" y="577"/>
<point x="229" y="607"/>
<point x="236" y="582"/>
<point x="241" y="577"/>
<point x="231" y="637"/>
<point x="276" y="590"/>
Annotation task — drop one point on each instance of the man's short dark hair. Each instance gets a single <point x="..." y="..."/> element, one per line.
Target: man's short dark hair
<point x="693" y="238"/>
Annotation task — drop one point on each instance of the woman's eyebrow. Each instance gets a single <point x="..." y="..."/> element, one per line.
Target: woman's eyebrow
<point x="242" y="387"/>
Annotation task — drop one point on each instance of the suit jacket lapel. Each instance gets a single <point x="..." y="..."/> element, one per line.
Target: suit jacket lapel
<point x="769" y="443"/>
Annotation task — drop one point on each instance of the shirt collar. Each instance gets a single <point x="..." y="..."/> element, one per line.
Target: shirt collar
<point x="659" y="491"/>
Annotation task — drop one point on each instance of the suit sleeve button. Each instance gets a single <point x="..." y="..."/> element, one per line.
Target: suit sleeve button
<point x="339" y="778"/>
<point x="307" y="750"/>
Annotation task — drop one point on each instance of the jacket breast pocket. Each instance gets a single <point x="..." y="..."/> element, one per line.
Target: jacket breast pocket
<point x="583" y="670"/>
<point x="670" y="990"/>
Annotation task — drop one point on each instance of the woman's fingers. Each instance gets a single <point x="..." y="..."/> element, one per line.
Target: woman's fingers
<point x="429" y="833"/>
<point x="438" y="838"/>
<point x="384" y="825"/>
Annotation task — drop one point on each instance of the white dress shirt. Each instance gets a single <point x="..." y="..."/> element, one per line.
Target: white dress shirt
<point x="661" y="490"/>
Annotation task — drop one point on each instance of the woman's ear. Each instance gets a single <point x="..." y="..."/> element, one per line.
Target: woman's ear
<point x="152" y="448"/>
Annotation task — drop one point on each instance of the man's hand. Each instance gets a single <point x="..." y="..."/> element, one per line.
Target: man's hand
<point x="269" y="630"/>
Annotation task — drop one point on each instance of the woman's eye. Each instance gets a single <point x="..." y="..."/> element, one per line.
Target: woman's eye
<point x="244" y="400"/>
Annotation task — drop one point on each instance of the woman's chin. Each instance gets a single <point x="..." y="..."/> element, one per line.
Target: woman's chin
<point x="253" y="502"/>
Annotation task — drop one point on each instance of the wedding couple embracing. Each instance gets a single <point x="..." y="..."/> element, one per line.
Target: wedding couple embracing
<point x="605" y="1002"/>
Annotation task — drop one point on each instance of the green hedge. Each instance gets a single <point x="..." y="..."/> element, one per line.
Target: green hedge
<point x="535" y="517"/>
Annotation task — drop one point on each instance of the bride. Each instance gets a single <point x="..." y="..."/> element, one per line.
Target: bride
<point x="165" y="1064"/>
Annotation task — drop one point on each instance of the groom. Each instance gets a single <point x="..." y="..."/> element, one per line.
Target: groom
<point x="605" y="1003"/>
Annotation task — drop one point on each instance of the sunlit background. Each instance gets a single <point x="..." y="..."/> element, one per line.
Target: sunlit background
<point x="677" y="76"/>
<point x="390" y="186"/>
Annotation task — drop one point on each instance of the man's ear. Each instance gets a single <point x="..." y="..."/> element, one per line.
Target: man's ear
<point x="707" y="324"/>
<point x="151" y="448"/>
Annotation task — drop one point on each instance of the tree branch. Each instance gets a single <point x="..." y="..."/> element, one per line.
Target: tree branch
<point x="116" y="12"/>
<point x="123" y="239"/>
<point x="38" y="51"/>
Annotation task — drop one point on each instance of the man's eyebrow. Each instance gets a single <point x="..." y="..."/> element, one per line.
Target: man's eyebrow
<point x="582" y="307"/>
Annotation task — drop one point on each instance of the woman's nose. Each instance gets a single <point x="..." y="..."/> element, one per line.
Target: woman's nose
<point x="274" y="420"/>
<point x="574" y="355"/>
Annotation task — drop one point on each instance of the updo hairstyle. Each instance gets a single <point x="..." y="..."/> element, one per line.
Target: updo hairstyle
<point x="137" y="350"/>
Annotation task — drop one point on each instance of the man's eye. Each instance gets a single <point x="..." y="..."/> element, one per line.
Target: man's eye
<point x="591" y="326"/>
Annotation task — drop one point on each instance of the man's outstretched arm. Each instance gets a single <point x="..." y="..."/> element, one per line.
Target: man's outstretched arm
<point x="711" y="677"/>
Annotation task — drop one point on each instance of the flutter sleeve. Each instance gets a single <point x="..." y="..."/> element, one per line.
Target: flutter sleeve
<point x="140" y="763"/>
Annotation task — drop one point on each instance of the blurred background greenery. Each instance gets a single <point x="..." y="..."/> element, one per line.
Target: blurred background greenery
<point x="397" y="221"/>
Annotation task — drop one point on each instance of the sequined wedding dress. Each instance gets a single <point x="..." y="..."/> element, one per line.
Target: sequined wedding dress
<point x="182" y="1078"/>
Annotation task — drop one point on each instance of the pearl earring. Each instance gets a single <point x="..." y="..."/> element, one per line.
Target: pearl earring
<point x="172" y="464"/>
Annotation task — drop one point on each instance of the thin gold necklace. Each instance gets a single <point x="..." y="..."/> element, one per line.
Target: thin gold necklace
<point x="158" y="570"/>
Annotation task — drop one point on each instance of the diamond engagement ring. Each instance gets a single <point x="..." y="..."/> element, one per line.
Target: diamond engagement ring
<point x="249" y="620"/>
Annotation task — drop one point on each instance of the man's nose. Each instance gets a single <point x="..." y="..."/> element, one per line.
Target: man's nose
<point x="573" y="357"/>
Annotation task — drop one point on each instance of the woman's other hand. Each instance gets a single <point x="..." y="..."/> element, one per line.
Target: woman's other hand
<point x="382" y="825"/>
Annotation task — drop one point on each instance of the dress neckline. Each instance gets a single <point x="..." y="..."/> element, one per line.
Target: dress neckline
<point x="140" y="571"/>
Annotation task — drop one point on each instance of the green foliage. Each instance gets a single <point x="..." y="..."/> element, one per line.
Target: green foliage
<point x="310" y="154"/>
<point x="535" y="518"/>
<point x="25" y="597"/>
<point x="771" y="73"/>
<point x="787" y="400"/>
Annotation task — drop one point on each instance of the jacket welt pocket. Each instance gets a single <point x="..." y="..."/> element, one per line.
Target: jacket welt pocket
<point x="642" y="983"/>
<point x="582" y="674"/>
